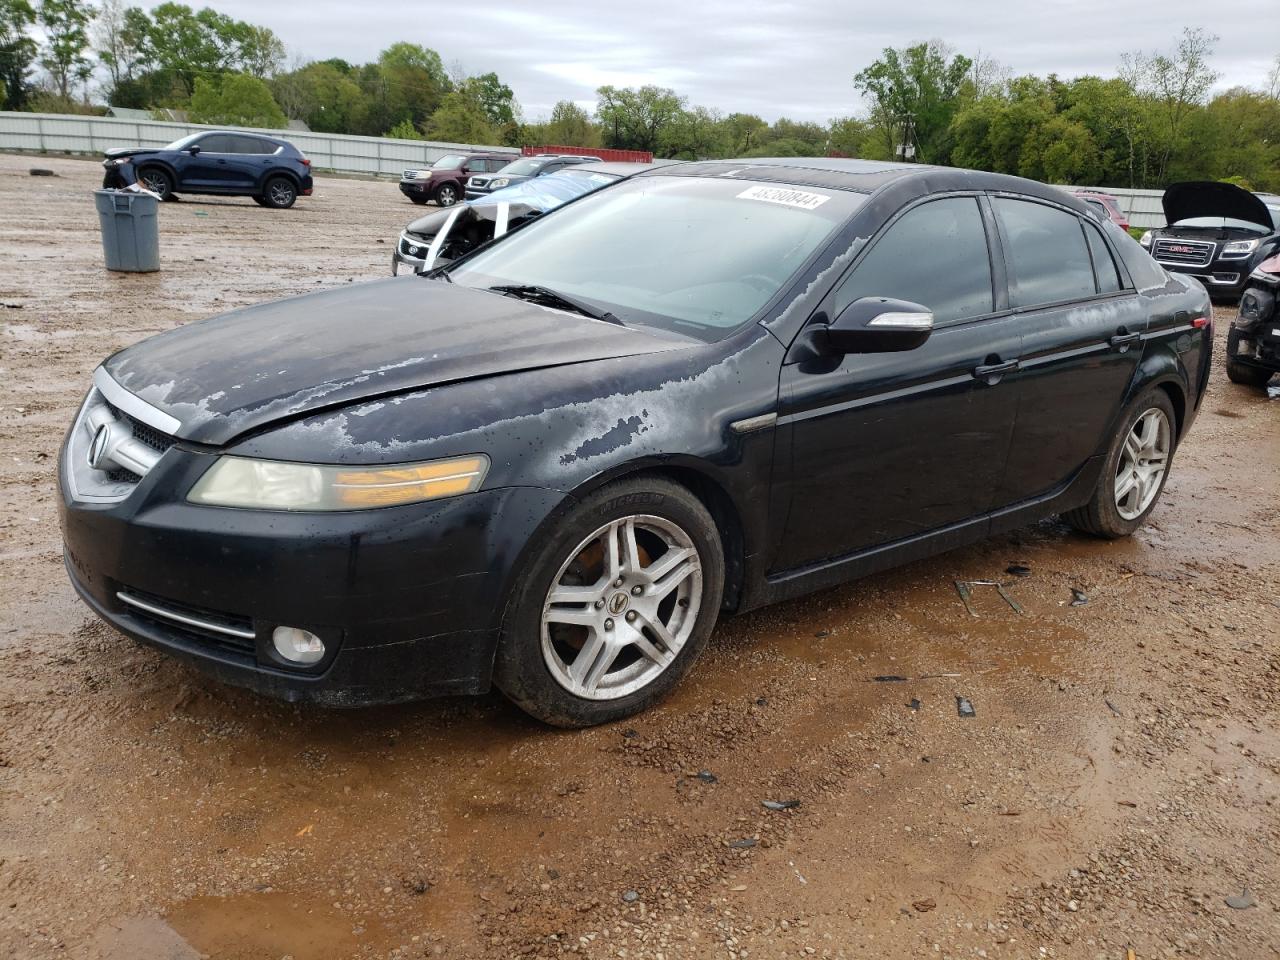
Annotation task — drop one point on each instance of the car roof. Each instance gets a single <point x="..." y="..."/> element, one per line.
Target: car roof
<point x="615" y="167"/>
<point x="863" y="176"/>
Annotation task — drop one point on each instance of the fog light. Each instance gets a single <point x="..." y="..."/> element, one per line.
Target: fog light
<point x="297" y="645"/>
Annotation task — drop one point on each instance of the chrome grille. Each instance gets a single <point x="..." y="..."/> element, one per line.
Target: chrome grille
<point x="409" y="175"/>
<point x="1185" y="253"/>
<point x="110" y="449"/>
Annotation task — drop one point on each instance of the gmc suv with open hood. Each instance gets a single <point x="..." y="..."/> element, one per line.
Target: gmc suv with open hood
<point x="1217" y="232"/>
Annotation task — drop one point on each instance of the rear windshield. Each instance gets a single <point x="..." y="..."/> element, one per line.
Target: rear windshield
<point x="694" y="256"/>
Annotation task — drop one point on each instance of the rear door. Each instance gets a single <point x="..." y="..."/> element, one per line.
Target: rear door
<point x="890" y="446"/>
<point x="253" y="157"/>
<point x="1081" y="324"/>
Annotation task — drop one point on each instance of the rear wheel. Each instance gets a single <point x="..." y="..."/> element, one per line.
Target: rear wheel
<point x="1135" y="471"/>
<point x="157" y="181"/>
<point x="1245" y="374"/>
<point x="447" y="194"/>
<point x="614" y="607"/>
<point x="279" y="193"/>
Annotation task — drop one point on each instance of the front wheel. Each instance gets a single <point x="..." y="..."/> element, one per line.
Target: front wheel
<point x="1135" y="470"/>
<point x="157" y="181"/>
<point x="614" y="606"/>
<point x="279" y="193"/>
<point x="447" y="195"/>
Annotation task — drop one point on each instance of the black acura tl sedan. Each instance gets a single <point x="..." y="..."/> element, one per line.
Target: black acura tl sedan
<point x="552" y="464"/>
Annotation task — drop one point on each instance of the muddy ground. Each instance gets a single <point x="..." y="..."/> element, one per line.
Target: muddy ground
<point x="1120" y="780"/>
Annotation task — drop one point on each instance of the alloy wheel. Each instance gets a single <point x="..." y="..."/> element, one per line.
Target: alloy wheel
<point x="1142" y="464"/>
<point x="621" y="607"/>
<point x="156" y="182"/>
<point x="447" y="196"/>
<point x="281" y="193"/>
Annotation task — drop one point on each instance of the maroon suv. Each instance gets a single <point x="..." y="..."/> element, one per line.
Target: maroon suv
<point x="444" y="181"/>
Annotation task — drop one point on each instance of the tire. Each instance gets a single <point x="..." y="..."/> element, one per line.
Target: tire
<point x="279" y="193"/>
<point x="260" y="201"/>
<point x="156" y="180"/>
<point x="1245" y="374"/>
<point x="1108" y="514"/>
<point x="447" y="194"/>
<point x="539" y="664"/>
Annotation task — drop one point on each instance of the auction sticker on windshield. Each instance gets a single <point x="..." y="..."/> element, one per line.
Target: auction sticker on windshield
<point x="785" y="196"/>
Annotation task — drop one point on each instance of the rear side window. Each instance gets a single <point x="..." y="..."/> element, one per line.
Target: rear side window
<point x="477" y="165"/>
<point x="1047" y="253"/>
<point x="254" y="145"/>
<point x="935" y="255"/>
<point x="1146" y="273"/>
<point x="1103" y="264"/>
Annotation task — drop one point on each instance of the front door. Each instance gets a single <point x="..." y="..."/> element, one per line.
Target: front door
<point x="890" y="446"/>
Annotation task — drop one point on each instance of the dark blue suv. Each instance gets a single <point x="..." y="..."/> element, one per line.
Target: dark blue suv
<point x="273" y="172"/>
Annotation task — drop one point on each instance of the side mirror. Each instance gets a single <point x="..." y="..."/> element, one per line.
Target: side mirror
<point x="877" y="325"/>
<point x="194" y="149"/>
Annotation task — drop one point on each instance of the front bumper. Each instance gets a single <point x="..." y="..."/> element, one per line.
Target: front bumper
<point x="408" y="600"/>
<point x="420" y="189"/>
<point x="1222" y="278"/>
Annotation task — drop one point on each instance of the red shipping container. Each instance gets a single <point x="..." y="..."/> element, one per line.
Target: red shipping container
<point x="604" y="153"/>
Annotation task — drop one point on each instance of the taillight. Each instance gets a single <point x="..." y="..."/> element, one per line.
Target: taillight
<point x="1199" y="323"/>
<point x="306" y="162"/>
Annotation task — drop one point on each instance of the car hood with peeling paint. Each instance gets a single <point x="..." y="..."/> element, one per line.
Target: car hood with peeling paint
<point x="246" y="370"/>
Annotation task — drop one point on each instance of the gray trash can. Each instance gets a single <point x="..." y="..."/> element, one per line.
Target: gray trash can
<point x="130" y="230"/>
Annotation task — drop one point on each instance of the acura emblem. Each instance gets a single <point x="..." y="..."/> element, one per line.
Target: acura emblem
<point x="98" y="448"/>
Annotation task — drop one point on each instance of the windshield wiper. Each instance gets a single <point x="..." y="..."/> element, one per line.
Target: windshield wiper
<point x="536" y="294"/>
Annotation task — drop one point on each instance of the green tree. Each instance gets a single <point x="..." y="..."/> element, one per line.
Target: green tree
<point x="235" y="99"/>
<point x="743" y="133"/>
<point x="66" y="30"/>
<point x="848" y="136"/>
<point x="461" y="118"/>
<point x="405" y="130"/>
<point x="635" y="118"/>
<point x="914" y="93"/>
<point x="17" y="52"/>
<point x="694" y="134"/>
<point x="569" y="126"/>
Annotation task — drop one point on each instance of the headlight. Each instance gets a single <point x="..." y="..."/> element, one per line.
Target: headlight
<point x="276" y="485"/>
<point x="500" y="182"/>
<point x="1239" y="248"/>
<point x="1145" y="239"/>
<point x="114" y="161"/>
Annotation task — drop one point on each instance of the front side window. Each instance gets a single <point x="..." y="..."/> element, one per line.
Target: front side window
<point x="218" y="143"/>
<point x="697" y="256"/>
<point x="1046" y="251"/>
<point x="935" y="255"/>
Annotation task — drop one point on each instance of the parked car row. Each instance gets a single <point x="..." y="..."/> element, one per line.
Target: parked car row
<point x="491" y="215"/>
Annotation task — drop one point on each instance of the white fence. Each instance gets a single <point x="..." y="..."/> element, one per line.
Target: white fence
<point x="59" y="133"/>
<point x="379" y="156"/>
<point x="1142" y="207"/>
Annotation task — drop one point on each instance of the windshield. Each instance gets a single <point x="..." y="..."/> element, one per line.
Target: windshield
<point x="185" y="141"/>
<point x="451" y="162"/>
<point x="691" y="255"/>
<point x="1216" y="222"/>
<point x="525" y="167"/>
<point x="546" y="193"/>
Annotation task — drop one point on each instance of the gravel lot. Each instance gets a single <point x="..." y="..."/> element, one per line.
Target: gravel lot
<point x="1121" y="778"/>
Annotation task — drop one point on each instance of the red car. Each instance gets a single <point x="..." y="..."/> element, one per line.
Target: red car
<point x="1110" y="205"/>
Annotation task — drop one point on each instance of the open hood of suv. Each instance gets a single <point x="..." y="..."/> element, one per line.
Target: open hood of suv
<point x="230" y="375"/>
<point x="1211" y="198"/>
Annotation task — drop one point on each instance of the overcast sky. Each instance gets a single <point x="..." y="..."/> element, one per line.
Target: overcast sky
<point x="792" y="58"/>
